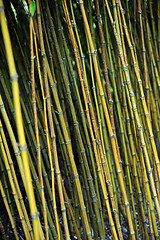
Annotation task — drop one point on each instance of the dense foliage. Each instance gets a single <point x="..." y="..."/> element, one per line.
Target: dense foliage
<point x="79" y="119"/>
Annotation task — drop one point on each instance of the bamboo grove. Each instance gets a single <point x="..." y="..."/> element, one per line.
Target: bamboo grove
<point x="79" y="119"/>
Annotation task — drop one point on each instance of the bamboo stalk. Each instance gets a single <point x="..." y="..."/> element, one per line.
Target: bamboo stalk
<point x="8" y="211"/>
<point x="90" y="102"/>
<point x="36" y="129"/>
<point x="19" y="122"/>
<point x="107" y="119"/>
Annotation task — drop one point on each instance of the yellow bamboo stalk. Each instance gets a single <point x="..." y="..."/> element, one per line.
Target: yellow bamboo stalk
<point x="45" y="125"/>
<point x="71" y="211"/>
<point x="13" y="140"/>
<point x="8" y="211"/>
<point x="144" y="57"/>
<point x="15" y="180"/>
<point x="70" y="152"/>
<point x="134" y="106"/>
<point x="144" y="104"/>
<point x="37" y="130"/>
<point x="21" y="215"/>
<point x="100" y="172"/>
<point x="46" y="102"/>
<point x="19" y="121"/>
<point x="119" y="171"/>
<point x="101" y="147"/>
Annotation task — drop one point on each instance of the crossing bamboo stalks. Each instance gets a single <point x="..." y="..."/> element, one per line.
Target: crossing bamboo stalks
<point x="22" y="142"/>
<point x="82" y="150"/>
<point x="107" y="119"/>
<point x="81" y="79"/>
<point x="46" y="99"/>
<point x="8" y="211"/>
<point x="82" y="113"/>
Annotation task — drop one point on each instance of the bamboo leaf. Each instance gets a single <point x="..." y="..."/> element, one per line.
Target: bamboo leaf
<point x="32" y="8"/>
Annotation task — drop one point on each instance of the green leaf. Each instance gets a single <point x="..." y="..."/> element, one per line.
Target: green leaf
<point x="32" y="8"/>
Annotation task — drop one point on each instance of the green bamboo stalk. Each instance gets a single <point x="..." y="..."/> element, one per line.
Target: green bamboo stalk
<point x="6" y="188"/>
<point x="37" y="184"/>
<point x="69" y="149"/>
<point x="154" y="33"/>
<point x="36" y="129"/>
<point x="107" y="119"/>
<point x="18" y="155"/>
<point x="142" y="98"/>
<point x="71" y="212"/>
<point x="139" y="125"/>
<point x="119" y="70"/>
<point x="15" y="180"/>
<point x="82" y="112"/>
<point x="8" y="211"/>
<point x="158" y="9"/>
<point x="87" y="111"/>
<point x="19" y="122"/>
<point x="21" y="215"/>
<point x="104" y="161"/>
<point x="82" y="150"/>
<point x="144" y="56"/>
<point x="47" y="110"/>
